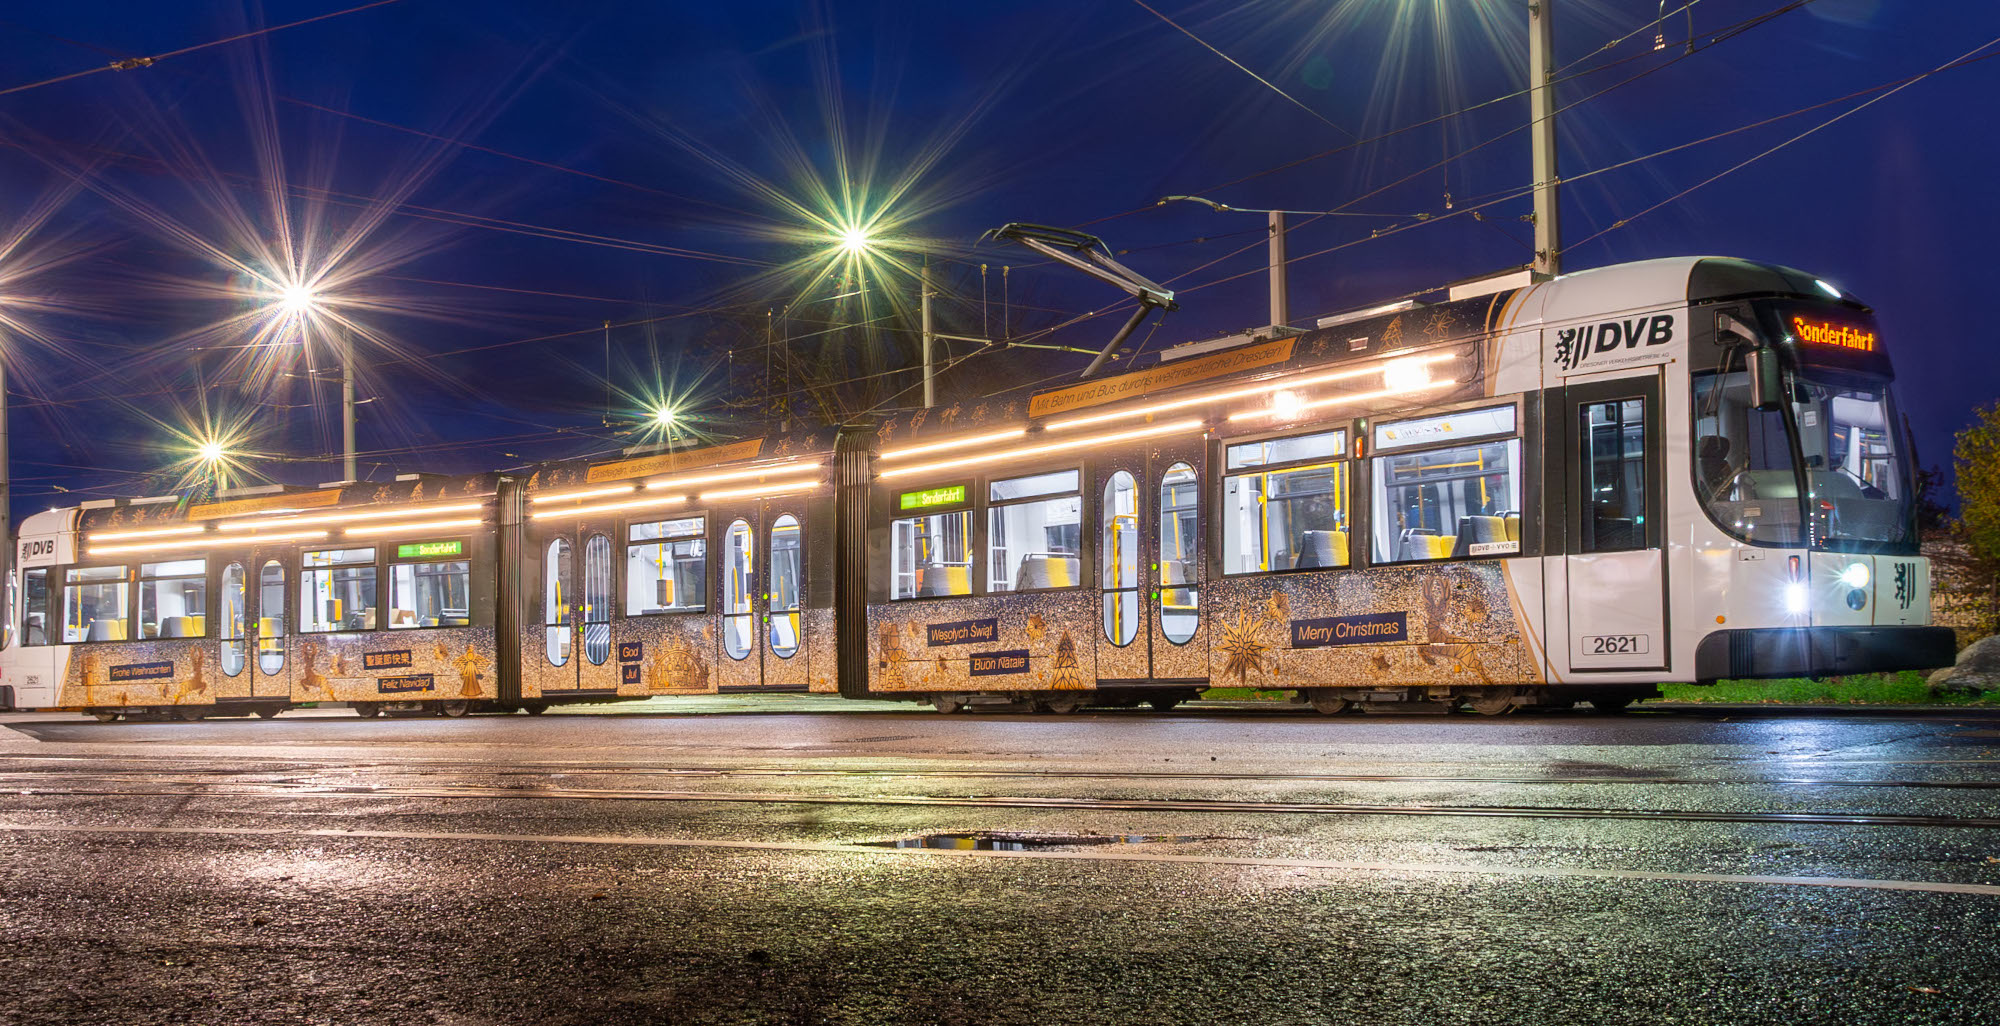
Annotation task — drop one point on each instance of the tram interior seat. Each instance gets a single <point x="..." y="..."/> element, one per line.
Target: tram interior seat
<point x="269" y="631"/>
<point x="944" y="579"/>
<point x="1176" y="572"/>
<point x="1512" y="520"/>
<point x="106" y="630"/>
<point x="690" y="582"/>
<point x="1424" y="543"/>
<point x="1045" y="570"/>
<point x="1477" y="530"/>
<point x="181" y="626"/>
<point x="1322" y="549"/>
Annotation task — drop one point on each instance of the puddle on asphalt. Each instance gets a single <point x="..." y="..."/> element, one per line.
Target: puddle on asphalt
<point x="993" y="840"/>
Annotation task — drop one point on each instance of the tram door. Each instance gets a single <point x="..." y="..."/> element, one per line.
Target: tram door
<point x="739" y="619"/>
<point x="261" y="644"/>
<point x="1614" y="573"/>
<point x="783" y="577"/>
<point x="576" y="613"/>
<point x="1120" y="553"/>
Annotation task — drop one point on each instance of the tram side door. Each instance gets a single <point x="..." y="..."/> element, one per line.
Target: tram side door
<point x="1614" y="572"/>
<point x="1125" y="621"/>
<point x="263" y="642"/>
<point x="741" y="662"/>
<point x="576" y="606"/>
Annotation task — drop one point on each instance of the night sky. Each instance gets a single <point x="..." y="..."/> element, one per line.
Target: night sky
<point x="491" y="182"/>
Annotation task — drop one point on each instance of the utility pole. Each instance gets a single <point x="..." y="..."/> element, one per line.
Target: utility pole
<point x="1280" y="299"/>
<point x="930" y="367"/>
<point x="347" y="406"/>
<point x="6" y="489"/>
<point x="1542" y="111"/>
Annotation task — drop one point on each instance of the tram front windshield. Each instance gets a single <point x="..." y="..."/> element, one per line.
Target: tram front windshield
<point x="1851" y="456"/>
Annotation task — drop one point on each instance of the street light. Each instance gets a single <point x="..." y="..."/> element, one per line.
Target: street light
<point x="855" y="240"/>
<point x="212" y="452"/>
<point x="297" y="301"/>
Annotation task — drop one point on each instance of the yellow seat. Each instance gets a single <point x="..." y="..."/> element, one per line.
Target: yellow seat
<point x="197" y="626"/>
<point x="268" y="639"/>
<point x="1513" y="527"/>
<point x="1441" y="545"/>
<point x="1340" y="548"/>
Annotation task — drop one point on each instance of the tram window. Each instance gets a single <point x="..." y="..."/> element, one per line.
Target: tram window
<point x="597" y="599"/>
<point x="231" y="620"/>
<point x="13" y="609"/>
<point x="556" y="593"/>
<point x="1445" y="502"/>
<point x="1034" y="545"/>
<point x="1180" y="542"/>
<point x="1120" y="557"/>
<point x="173" y="599"/>
<point x="94" y="604"/>
<point x="1287" y="450"/>
<point x="931" y="555"/>
<point x="337" y="591"/>
<point x="666" y="567"/>
<point x="739" y="570"/>
<point x="1290" y="515"/>
<point x="1743" y="463"/>
<point x="430" y="594"/>
<point x="35" y="615"/>
<point x="271" y="617"/>
<point x="1613" y="461"/>
<point x="784" y="599"/>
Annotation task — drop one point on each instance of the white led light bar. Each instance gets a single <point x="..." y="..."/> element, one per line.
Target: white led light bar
<point x="428" y="525"/>
<point x="607" y="507"/>
<point x="951" y="443"/>
<point x="774" y="488"/>
<point x="204" y="543"/>
<point x="589" y="493"/>
<point x="1238" y="393"/>
<point x="341" y="518"/>
<point x="1037" y="450"/>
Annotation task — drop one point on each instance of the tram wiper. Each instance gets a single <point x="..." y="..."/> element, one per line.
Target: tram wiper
<point x="1087" y="253"/>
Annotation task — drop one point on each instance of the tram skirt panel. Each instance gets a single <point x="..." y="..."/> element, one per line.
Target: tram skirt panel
<point x="819" y="650"/>
<point x="416" y="665"/>
<point x="1447" y="625"/>
<point x="1038" y="641"/>
<point x="672" y="654"/>
<point x="143" y="673"/>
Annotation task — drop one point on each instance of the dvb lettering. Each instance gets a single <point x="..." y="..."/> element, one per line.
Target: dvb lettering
<point x="1575" y="345"/>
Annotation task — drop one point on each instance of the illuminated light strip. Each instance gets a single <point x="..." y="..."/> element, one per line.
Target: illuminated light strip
<point x="341" y="518"/>
<point x="1352" y="397"/>
<point x="428" y="525"/>
<point x="1036" y="450"/>
<point x="593" y="493"/>
<point x="775" y="488"/>
<point x="606" y="507"/>
<point x="157" y="532"/>
<point x="733" y="475"/>
<point x="1238" y="393"/>
<point x="897" y="454"/>
<point x="202" y="543"/>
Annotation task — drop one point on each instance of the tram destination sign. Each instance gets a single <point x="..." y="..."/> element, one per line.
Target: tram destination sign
<point x="1367" y="629"/>
<point x="420" y="550"/>
<point x="949" y="495"/>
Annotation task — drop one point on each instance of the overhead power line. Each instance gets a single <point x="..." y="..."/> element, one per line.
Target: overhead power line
<point x="134" y="63"/>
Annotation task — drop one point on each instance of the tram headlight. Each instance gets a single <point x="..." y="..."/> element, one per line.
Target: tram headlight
<point x="1855" y="576"/>
<point x="1798" y="600"/>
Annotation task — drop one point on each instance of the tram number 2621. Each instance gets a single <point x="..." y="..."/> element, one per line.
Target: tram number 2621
<point x="1615" y="644"/>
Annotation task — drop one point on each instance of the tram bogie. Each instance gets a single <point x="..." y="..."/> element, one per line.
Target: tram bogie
<point x="1569" y="492"/>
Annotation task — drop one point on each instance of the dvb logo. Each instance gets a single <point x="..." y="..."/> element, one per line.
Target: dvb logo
<point x="1575" y="345"/>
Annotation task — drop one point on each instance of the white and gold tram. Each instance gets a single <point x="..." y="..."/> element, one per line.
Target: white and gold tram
<point x="1675" y="470"/>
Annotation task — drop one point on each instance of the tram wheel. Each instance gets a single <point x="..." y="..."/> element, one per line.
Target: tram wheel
<point x="534" y="708"/>
<point x="1610" y="705"/>
<point x="190" y="713"/>
<point x="1059" y="705"/>
<point x="947" y="704"/>
<point x="454" y="707"/>
<point x="366" y="710"/>
<point x="269" y="711"/>
<point x="1327" y="702"/>
<point x="1492" y="705"/>
<point x="104" y="715"/>
<point x="1162" y="704"/>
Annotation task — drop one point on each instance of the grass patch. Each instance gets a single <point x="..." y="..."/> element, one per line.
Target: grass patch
<point x="1905" y="688"/>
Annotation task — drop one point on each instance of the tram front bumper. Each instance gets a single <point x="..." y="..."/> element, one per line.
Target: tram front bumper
<point x="1769" y="652"/>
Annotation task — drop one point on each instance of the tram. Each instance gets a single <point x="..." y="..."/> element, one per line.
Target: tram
<point x="1683" y="469"/>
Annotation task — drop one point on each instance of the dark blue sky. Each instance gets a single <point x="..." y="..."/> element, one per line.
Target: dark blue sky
<point x="525" y="170"/>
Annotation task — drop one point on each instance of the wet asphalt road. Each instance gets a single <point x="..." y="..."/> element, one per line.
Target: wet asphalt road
<point x="710" y="861"/>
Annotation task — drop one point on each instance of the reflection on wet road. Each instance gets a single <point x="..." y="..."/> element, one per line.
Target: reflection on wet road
<point x="798" y="860"/>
